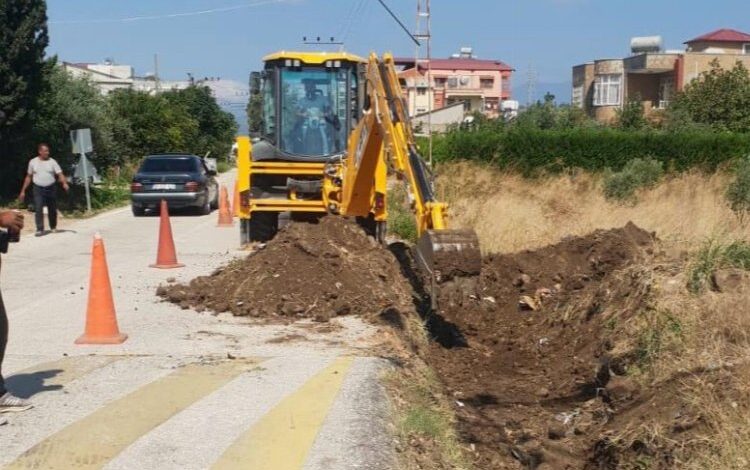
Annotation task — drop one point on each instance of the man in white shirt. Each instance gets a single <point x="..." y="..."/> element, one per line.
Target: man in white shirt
<point x="12" y="221"/>
<point x="44" y="172"/>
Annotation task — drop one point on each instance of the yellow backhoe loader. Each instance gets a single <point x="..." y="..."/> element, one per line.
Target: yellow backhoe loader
<point x="332" y="127"/>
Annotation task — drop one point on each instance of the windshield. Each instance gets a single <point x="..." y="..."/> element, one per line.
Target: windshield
<point x="314" y="105"/>
<point x="169" y="165"/>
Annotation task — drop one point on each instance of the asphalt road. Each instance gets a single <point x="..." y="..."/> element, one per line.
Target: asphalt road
<point x="186" y="390"/>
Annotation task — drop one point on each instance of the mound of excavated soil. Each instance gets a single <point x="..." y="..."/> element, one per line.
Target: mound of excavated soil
<point x="310" y="270"/>
<point x="526" y="357"/>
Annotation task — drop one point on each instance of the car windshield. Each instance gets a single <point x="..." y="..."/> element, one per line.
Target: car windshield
<point x="314" y="107"/>
<point x="169" y="165"/>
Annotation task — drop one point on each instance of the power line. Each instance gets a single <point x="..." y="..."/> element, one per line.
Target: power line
<point x="170" y="15"/>
<point x="400" y="23"/>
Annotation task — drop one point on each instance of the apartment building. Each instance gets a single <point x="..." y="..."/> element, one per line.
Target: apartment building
<point x="109" y="76"/>
<point x="652" y="73"/>
<point x="479" y="84"/>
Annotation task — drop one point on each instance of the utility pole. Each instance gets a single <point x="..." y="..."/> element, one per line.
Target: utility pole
<point x="531" y="79"/>
<point x="424" y="49"/>
<point x="157" y="85"/>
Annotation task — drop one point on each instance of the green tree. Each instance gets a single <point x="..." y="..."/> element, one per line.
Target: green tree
<point x="23" y="41"/>
<point x="255" y="105"/>
<point x="631" y="116"/>
<point x="216" y="127"/>
<point x="719" y="98"/>
<point x="150" y="124"/>
<point x="73" y="103"/>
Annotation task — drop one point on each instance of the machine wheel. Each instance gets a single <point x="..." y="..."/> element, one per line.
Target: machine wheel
<point x="138" y="211"/>
<point x="263" y="226"/>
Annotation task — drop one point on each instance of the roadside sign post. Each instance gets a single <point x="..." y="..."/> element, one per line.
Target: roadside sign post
<point x="81" y="141"/>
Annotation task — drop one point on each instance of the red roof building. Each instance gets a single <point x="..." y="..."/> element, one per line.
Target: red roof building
<point x="480" y="84"/>
<point x="727" y="41"/>
<point x="722" y="35"/>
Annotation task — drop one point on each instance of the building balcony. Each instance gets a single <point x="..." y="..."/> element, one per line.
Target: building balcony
<point x="650" y="63"/>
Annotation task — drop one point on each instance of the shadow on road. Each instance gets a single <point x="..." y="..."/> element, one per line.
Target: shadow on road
<point x="28" y="385"/>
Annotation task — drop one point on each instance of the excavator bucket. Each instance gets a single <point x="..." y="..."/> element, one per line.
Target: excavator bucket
<point x="449" y="254"/>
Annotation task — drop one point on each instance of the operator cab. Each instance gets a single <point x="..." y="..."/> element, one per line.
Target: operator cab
<point x="310" y="104"/>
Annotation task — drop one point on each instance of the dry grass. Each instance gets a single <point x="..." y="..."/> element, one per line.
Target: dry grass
<point x="694" y="347"/>
<point x="511" y="213"/>
<point x="425" y="425"/>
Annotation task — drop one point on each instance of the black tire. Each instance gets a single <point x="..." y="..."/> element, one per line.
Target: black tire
<point x="215" y="202"/>
<point x="138" y="211"/>
<point x="263" y="226"/>
<point x="206" y="208"/>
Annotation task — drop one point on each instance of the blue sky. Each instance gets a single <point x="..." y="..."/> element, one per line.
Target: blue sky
<point x="548" y="35"/>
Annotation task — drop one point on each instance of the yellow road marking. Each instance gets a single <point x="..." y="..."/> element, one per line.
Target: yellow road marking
<point x="282" y="439"/>
<point x="93" y="441"/>
<point x="55" y="374"/>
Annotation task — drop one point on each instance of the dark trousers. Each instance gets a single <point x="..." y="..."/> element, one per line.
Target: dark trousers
<point x="45" y="196"/>
<point x="3" y="341"/>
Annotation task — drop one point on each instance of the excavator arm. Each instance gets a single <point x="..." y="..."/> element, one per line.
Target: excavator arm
<point x="384" y="139"/>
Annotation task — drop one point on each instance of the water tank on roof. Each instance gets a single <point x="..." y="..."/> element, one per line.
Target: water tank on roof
<point x="643" y="44"/>
<point x="467" y="52"/>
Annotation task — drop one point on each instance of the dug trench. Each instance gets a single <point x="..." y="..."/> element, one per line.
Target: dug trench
<point x="525" y="353"/>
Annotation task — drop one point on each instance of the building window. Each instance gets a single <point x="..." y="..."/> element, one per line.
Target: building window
<point x="486" y="82"/>
<point x="453" y="82"/>
<point x="421" y="91"/>
<point x="440" y="81"/>
<point x="577" y="98"/>
<point x="607" y="90"/>
<point x="746" y="49"/>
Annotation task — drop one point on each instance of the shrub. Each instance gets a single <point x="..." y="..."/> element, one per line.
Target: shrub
<point x="400" y="218"/>
<point x="738" y="191"/>
<point x="532" y="151"/>
<point x="714" y="255"/>
<point x="632" y="116"/>
<point x="222" y="166"/>
<point x="638" y="173"/>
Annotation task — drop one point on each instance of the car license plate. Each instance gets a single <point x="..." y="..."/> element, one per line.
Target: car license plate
<point x="165" y="186"/>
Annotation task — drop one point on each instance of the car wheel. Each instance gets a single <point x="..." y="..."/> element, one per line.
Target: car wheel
<point x="206" y="208"/>
<point x="215" y="202"/>
<point x="138" y="211"/>
<point x="263" y="226"/>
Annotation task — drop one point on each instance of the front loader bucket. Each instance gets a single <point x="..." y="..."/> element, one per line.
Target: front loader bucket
<point x="448" y="254"/>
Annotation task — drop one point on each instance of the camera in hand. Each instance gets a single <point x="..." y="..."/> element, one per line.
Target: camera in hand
<point x="8" y="236"/>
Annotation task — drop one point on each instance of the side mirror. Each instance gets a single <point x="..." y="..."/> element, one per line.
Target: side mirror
<point x="211" y="173"/>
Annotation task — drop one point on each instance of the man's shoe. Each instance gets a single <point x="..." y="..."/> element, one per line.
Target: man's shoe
<point x="9" y="404"/>
<point x="39" y="233"/>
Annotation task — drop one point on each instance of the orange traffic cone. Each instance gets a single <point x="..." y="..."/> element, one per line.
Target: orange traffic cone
<point x="225" y="216"/>
<point x="101" y="320"/>
<point x="236" y="201"/>
<point x="166" y="255"/>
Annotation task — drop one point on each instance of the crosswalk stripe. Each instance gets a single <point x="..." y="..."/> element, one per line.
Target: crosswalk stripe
<point x="55" y="375"/>
<point x="282" y="439"/>
<point x="94" y="440"/>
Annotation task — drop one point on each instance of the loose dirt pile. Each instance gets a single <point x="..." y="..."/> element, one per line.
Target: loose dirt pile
<point x="310" y="270"/>
<point x="527" y="356"/>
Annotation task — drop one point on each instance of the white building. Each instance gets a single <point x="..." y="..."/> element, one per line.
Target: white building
<point x="110" y="76"/>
